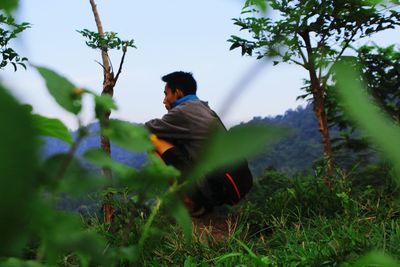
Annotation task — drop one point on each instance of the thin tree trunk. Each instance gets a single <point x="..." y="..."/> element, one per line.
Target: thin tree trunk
<point x="108" y="209"/>
<point x="319" y="109"/>
<point x="108" y="89"/>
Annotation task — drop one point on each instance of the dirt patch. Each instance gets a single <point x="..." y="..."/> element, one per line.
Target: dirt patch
<point x="214" y="227"/>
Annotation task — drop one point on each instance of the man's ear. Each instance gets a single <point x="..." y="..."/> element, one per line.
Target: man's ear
<point x="179" y="93"/>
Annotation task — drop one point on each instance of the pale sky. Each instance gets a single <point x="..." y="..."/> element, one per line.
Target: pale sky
<point x="172" y="35"/>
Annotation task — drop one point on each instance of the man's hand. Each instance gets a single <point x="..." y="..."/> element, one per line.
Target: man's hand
<point x="160" y="145"/>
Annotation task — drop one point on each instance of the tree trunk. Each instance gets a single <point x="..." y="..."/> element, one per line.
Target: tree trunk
<point x="108" y="209"/>
<point x="319" y="108"/>
<point x="104" y="122"/>
<point x="108" y="89"/>
<point x="109" y="82"/>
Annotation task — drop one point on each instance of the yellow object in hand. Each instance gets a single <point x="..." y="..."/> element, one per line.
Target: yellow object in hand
<point x="160" y="145"/>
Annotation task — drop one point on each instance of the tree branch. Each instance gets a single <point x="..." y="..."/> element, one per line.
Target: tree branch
<point x="100" y="64"/>
<point x="321" y="45"/>
<point x="111" y="65"/>
<point x="298" y="63"/>
<point x="303" y="56"/>
<point x="121" y="63"/>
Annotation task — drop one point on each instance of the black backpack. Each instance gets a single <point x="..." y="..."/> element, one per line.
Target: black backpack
<point x="228" y="185"/>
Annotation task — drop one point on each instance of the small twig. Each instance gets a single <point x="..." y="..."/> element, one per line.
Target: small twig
<point x="109" y="60"/>
<point x="303" y="56"/>
<point x="121" y="63"/>
<point x="298" y="63"/>
<point x="100" y="65"/>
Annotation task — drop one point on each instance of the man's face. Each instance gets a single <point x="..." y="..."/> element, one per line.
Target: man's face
<point x="170" y="96"/>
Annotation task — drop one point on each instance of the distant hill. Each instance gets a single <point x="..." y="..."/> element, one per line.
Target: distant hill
<point x="294" y="153"/>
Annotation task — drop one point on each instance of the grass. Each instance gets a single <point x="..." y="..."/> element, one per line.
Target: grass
<point x="318" y="242"/>
<point x="284" y="221"/>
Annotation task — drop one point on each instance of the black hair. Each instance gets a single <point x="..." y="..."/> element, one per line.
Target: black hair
<point x="181" y="80"/>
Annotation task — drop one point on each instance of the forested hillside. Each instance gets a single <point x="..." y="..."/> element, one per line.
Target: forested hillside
<point x="294" y="153"/>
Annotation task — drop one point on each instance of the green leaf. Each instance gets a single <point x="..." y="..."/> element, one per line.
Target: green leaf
<point x="63" y="91"/>
<point x="110" y="40"/>
<point x="190" y="262"/>
<point x="18" y="167"/>
<point x="129" y="253"/>
<point x="154" y="174"/>
<point x="52" y="127"/>
<point x="128" y="135"/>
<point x="63" y="233"/>
<point x="100" y="158"/>
<point x="8" y="5"/>
<point x="260" y="4"/>
<point x="74" y="179"/>
<point x="234" y="45"/>
<point x="367" y="115"/>
<point x="376" y="258"/>
<point x="227" y="256"/>
<point x="259" y="260"/>
<point x="28" y="108"/>
<point x="14" y="262"/>
<point x="225" y="148"/>
<point x="79" y="186"/>
<point x="374" y="2"/>
<point x="156" y="167"/>
<point x="103" y="104"/>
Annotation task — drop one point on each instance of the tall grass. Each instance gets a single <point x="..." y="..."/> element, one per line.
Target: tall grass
<point x="285" y="221"/>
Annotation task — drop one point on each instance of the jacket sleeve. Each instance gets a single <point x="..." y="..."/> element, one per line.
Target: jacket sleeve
<point x="173" y="125"/>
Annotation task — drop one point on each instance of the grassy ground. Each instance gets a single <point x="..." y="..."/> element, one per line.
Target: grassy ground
<point x="286" y="221"/>
<point x="320" y="241"/>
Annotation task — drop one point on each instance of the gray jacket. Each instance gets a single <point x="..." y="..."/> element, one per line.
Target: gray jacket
<point x="186" y="125"/>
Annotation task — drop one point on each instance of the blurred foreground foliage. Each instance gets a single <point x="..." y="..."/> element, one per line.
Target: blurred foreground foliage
<point x="286" y="221"/>
<point x="36" y="233"/>
<point x="290" y="221"/>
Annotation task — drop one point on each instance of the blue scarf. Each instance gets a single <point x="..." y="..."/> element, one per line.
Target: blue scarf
<point x="184" y="99"/>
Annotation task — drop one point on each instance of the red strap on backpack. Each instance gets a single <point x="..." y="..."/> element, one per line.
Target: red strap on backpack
<point x="233" y="184"/>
